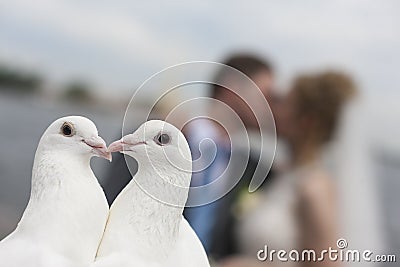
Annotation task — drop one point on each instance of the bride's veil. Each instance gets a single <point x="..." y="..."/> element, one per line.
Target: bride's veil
<point x="358" y="203"/>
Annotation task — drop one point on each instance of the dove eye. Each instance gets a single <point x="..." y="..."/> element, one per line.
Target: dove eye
<point x="67" y="129"/>
<point x="162" y="139"/>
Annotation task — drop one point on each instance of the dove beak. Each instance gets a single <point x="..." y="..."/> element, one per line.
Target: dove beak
<point x="99" y="147"/>
<point x="116" y="146"/>
<point x="123" y="145"/>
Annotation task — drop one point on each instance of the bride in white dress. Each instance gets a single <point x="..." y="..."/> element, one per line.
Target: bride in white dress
<point x="301" y="208"/>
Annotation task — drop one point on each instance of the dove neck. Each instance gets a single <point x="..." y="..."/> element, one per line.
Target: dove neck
<point x="163" y="193"/>
<point x="64" y="188"/>
<point x="149" y="223"/>
<point x="47" y="157"/>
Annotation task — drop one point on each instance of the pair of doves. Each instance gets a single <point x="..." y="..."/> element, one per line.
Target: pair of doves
<point x="68" y="223"/>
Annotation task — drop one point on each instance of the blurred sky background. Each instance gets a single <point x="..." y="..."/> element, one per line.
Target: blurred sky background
<point x="116" y="45"/>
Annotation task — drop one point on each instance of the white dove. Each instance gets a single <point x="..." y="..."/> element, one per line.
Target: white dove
<point x="67" y="210"/>
<point x="143" y="230"/>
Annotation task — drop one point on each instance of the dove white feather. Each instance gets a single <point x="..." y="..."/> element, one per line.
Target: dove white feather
<point x="146" y="226"/>
<point x="65" y="218"/>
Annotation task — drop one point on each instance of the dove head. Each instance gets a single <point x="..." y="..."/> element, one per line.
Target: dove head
<point x="74" y="135"/>
<point x="158" y="144"/>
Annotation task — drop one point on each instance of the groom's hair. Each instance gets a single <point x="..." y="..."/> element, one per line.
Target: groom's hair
<point x="248" y="64"/>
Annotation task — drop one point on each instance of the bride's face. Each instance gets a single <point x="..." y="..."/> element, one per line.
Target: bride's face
<point x="290" y="124"/>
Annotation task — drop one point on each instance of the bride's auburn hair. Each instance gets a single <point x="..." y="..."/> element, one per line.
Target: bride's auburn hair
<point x="322" y="97"/>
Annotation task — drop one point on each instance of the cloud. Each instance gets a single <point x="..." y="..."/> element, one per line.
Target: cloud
<point x="116" y="37"/>
<point x="121" y="43"/>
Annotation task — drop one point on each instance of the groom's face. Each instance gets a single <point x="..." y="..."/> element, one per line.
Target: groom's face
<point x="264" y="81"/>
